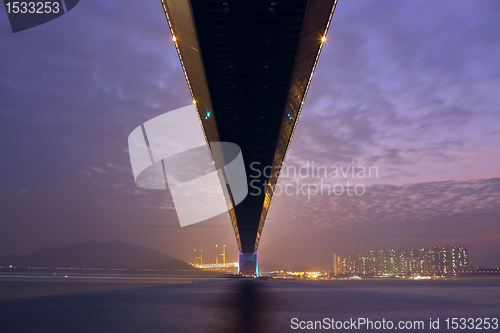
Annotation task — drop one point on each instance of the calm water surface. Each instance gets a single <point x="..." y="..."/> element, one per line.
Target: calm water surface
<point x="244" y="305"/>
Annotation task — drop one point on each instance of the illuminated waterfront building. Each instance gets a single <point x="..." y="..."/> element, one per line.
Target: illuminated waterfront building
<point x="436" y="261"/>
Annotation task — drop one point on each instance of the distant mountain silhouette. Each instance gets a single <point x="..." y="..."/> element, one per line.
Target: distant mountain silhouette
<point x="492" y="261"/>
<point x="114" y="254"/>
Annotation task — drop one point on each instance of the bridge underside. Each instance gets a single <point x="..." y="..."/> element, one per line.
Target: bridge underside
<point x="248" y="65"/>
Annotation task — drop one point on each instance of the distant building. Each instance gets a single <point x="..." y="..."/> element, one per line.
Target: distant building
<point x="436" y="261"/>
<point x="335" y="267"/>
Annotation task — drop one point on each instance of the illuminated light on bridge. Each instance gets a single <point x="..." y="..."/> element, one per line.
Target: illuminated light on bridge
<point x="250" y="64"/>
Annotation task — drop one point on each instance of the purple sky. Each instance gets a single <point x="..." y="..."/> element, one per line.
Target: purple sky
<point x="409" y="87"/>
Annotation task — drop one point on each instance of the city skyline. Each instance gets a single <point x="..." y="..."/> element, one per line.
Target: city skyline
<point x="436" y="261"/>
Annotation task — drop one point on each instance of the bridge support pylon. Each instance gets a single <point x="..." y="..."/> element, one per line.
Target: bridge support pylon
<point x="247" y="264"/>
